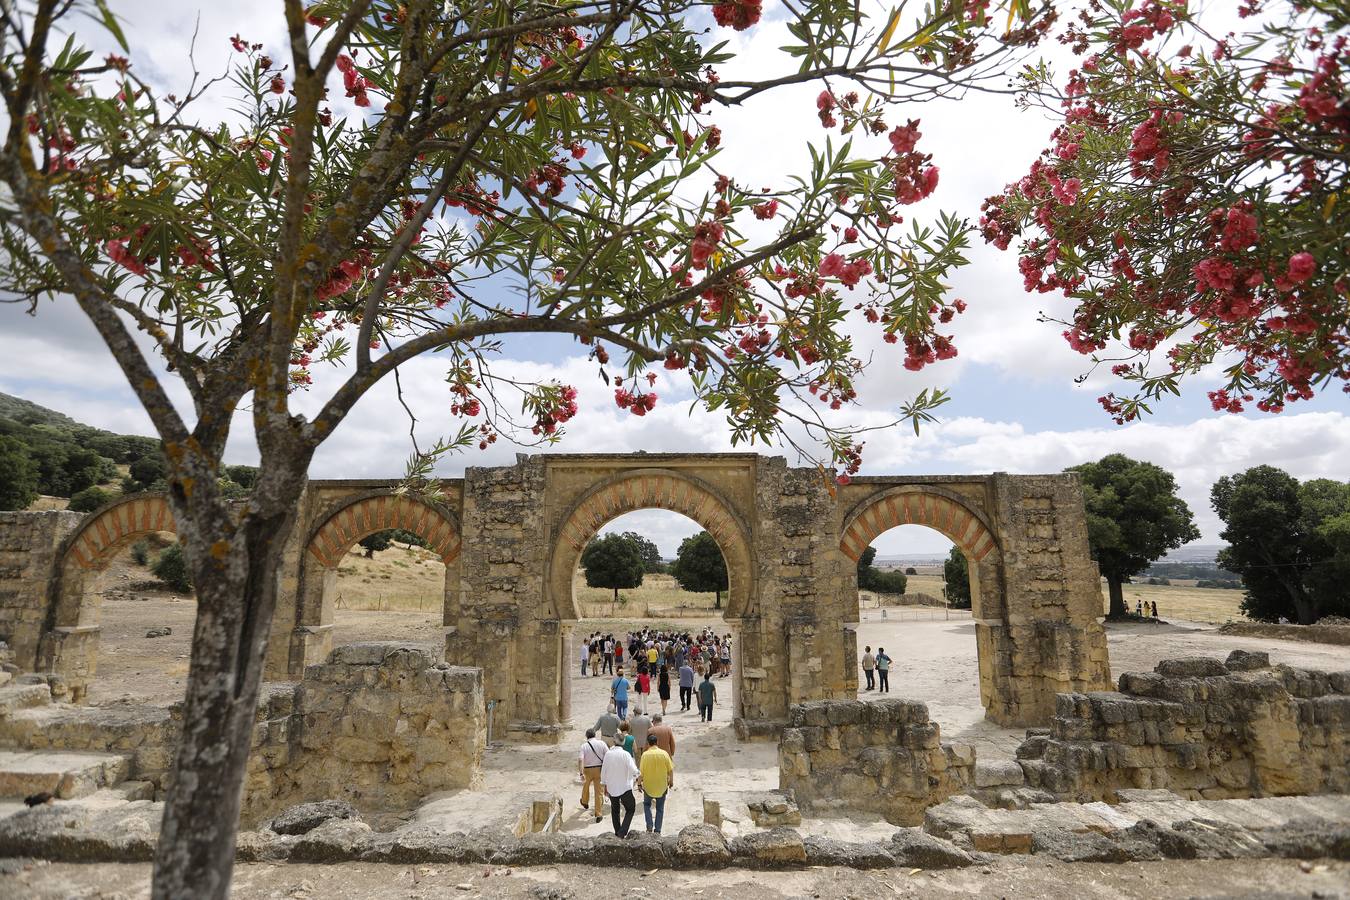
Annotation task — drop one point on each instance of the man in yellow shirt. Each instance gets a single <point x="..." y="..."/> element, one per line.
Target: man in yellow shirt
<point x="658" y="777"/>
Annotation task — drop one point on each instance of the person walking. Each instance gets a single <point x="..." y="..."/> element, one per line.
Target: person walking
<point x="869" y="663"/>
<point x="644" y="691"/>
<point x="665" y="735"/>
<point x="585" y="656"/>
<point x="686" y="687"/>
<point x="658" y="777"/>
<point x="607" y="652"/>
<point x="663" y="687"/>
<point x="726" y="656"/>
<point x="589" y="761"/>
<point x="707" y="697"/>
<point x="618" y="654"/>
<point x="883" y="670"/>
<point x="618" y="774"/>
<point x="618" y="690"/>
<point x="625" y="742"/>
<point x="595" y="658"/>
<point x="640" y="725"/>
<point x="607" y="726"/>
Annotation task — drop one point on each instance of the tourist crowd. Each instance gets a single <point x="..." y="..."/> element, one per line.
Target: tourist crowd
<point x="624" y="752"/>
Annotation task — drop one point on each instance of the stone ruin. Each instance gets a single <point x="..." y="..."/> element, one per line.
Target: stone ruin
<point x="380" y="725"/>
<point x="880" y="756"/>
<point x="1199" y="728"/>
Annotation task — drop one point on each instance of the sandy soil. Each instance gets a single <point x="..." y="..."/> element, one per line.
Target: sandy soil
<point x="1013" y="877"/>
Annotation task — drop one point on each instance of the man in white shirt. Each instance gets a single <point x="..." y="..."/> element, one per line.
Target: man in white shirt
<point x="618" y="774"/>
<point x="589" y="761"/>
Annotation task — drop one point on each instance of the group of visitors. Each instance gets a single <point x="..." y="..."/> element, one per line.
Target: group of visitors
<point x="631" y="747"/>
<point x="1141" y="608"/>
<point x="623" y="755"/>
<point x="877" y="668"/>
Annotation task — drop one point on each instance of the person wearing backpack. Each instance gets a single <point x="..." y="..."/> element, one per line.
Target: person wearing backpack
<point x="589" y="761"/>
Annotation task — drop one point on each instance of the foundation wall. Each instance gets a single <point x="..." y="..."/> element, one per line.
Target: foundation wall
<point x="881" y="756"/>
<point x="1201" y="729"/>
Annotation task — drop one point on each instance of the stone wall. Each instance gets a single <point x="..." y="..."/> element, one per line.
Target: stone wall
<point x="883" y="756"/>
<point x="380" y="725"/>
<point x="29" y="545"/>
<point x="1200" y="728"/>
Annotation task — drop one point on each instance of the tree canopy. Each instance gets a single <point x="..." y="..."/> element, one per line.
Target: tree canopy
<point x="1289" y="542"/>
<point x="613" y="561"/>
<point x="1188" y="204"/>
<point x="650" y="553"/>
<point x="956" y="576"/>
<point x="870" y="578"/>
<point x="1134" y="516"/>
<point x="18" y="475"/>
<point x="700" y="567"/>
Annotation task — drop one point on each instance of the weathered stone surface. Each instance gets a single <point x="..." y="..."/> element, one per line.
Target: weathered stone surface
<point x="1246" y="660"/>
<point x="307" y="816"/>
<point x="75" y="833"/>
<point x="1199" y="730"/>
<point x="1191" y="667"/>
<point x="998" y="773"/>
<point x="914" y="847"/>
<point x="768" y="849"/>
<point x="823" y="851"/>
<point x="884" y="756"/>
<point x="333" y="841"/>
<point x="1092" y="846"/>
<point x="702" y="846"/>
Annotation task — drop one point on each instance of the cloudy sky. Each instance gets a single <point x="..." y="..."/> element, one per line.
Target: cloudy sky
<point x="1015" y="408"/>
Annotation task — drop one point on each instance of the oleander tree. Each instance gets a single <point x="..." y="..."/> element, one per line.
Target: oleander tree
<point x="430" y="177"/>
<point x="1192" y="203"/>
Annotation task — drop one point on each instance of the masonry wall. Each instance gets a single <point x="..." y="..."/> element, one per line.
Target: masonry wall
<point x="882" y="756"/>
<point x="29" y="543"/>
<point x="1200" y="728"/>
<point x="380" y="725"/>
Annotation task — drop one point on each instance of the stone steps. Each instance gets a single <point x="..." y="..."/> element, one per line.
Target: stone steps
<point x="62" y="774"/>
<point x="15" y="697"/>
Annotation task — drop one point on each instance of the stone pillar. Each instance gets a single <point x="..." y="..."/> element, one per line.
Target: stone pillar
<point x="503" y="621"/>
<point x="29" y="543"/>
<point x="1050" y="638"/>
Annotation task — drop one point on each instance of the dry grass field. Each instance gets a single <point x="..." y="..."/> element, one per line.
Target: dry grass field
<point x="404" y="578"/>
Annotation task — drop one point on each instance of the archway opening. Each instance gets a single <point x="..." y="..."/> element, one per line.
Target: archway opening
<point x="651" y="589"/>
<point x="379" y="567"/>
<point x="143" y="604"/>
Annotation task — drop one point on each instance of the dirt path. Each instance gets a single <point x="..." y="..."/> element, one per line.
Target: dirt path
<point x="1010" y="877"/>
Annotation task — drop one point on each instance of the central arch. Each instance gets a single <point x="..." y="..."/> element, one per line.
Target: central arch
<point x="652" y="489"/>
<point x="666" y="489"/>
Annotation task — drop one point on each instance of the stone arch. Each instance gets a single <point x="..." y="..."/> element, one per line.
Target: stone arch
<point x="942" y="510"/>
<point x="653" y="489"/>
<point x="953" y="516"/>
<point x="71" y="631"/>
<point x="339" y="529"/>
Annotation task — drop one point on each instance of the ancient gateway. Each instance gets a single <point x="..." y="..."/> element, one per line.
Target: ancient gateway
<point x="510" y="537"/>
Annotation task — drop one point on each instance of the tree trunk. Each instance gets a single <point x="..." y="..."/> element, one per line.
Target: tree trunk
<point x="1117" y="595"/>
<point x="236" y="596"/>
<point x="616" y="596"/>
<point x="717" y="604"/>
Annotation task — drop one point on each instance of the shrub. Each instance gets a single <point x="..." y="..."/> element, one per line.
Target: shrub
<point x="910" y="570"/>
<point x="89" y="499"/>
<point x="171" y="568"/>
<point x="140" y="552"/>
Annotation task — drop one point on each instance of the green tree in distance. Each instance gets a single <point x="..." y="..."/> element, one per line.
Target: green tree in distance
<point x="956" y="576"/>
<point x="699" y="566"/>
<point x="612" y="561"/>
<point x="1287" y="541"/>
<point x="651" y="555"/>
<point x="1134" y="516"/>
<point x="374" y="542"/>
<point x="18" y="475"/>
<point x="870" y="578"/>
